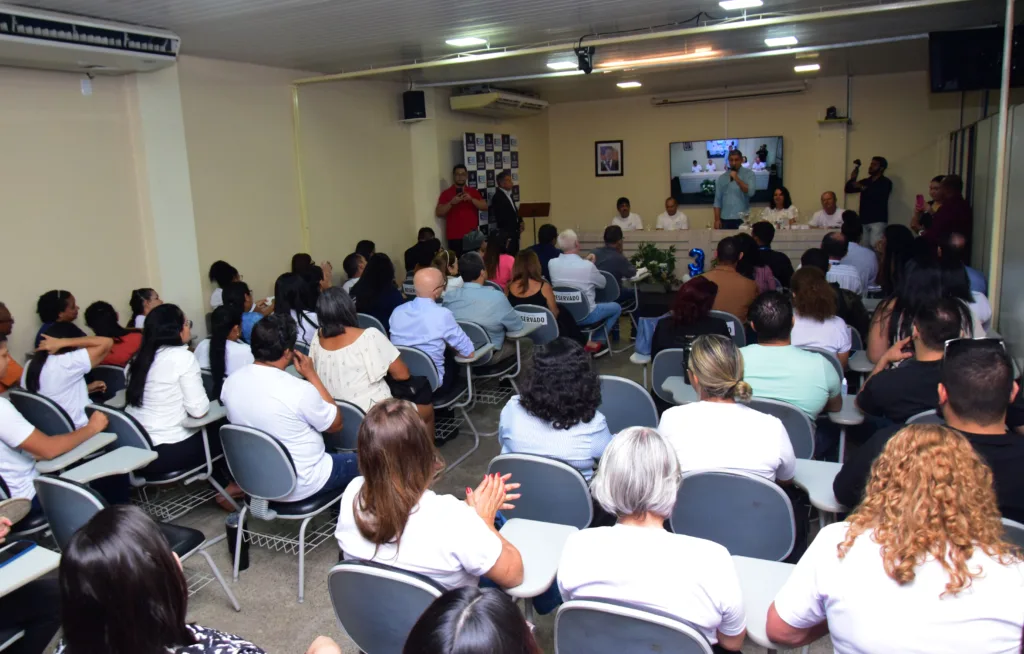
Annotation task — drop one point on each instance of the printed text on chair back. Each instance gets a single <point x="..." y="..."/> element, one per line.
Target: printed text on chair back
<point x="548" y="330"/>
<point x="573" y="300"/>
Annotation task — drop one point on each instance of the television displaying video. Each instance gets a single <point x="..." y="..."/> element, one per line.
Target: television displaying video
<point x="696" y="166"/>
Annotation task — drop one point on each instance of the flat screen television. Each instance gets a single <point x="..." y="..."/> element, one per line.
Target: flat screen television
<point x="972" y="60"/>
<point x="688" y="185"/>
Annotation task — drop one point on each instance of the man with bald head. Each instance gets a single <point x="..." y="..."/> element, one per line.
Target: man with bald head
<point x="425" y="325"/>
<point x="830" y="216"/>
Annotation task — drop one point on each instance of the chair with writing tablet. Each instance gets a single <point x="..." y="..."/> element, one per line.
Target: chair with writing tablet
<point x="1014" y="532"/>
<point x="494" y="286"/>
<point x="669" y="363"/>
<point x="799" y="427"/>
<point x="930" y="417"/>
<point x="610" y="293"/>
<point x="41" y="412"/>
<point x="735" y="325"/>
<point x="575" y="302"/>
<point x="548" y="330"/>
<point x="346" y="439"/>
<point x="366" y="321"/>
<point x="607" y="627"/>
<point x="625" y="403"/>
<point x="551" y="491"/>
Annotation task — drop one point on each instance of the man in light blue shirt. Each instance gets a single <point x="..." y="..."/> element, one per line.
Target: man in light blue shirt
<point x="733" y="190"/>
<point x="425" y="325"/>
<point x="486" y="306"/>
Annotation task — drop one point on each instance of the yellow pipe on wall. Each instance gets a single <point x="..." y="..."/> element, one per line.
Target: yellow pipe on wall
<point x="297" y="138"/>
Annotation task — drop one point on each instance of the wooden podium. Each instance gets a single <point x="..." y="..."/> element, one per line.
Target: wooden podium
<point x="534" y="210"/>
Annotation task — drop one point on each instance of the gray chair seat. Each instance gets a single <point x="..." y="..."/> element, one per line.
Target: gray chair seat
<point x="30" y="524"/>
<point x="311" y="504"/>
<point x="181" y="539"/>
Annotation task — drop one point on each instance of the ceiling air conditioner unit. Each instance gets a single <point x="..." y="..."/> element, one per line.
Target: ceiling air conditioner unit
<point x="729" y="93"/>
<point x="33" y="38"/>
<point x="498" y="104"/>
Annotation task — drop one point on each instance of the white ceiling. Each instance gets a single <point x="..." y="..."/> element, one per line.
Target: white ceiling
<point x="346" y="35"/>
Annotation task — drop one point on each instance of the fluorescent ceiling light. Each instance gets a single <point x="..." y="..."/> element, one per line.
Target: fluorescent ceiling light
<point x="807" y="68"/>
<point x="705" y="50"/>
<point x="780" y="41"/>
<point x="629" y="85"/>
<point x="466" y="41"/>
<point x="701" y="53"/>
<point x="729" y="5"/>
<point x="563" y="65"/>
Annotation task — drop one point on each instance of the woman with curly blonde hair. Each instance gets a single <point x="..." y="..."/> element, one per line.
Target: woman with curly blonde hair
<point x="922" y="565"/>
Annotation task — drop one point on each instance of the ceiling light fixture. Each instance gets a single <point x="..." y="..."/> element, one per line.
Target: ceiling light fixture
<point x="563" y="65"/>
<point x="705" y="50"/>
<point x="629" y="85"/>
<point x="781" y="41"/>
<point x="655" y="61"/>
<point x="807" y="68"/>
<point x="729" y="5"/>
<point x="466" y="41"/>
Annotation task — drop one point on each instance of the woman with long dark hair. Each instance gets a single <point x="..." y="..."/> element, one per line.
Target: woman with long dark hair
<point x="496" y="258"/>
<point x="222" y="273"/>
<point x="143" y="301"/>
<point x="56" y="306"/>
<point x="292" y="297"/>
<point x="471" y="620"/>
<point x="224" y="352"/>
<point x="691" y="317"/>
<point x="58" y="368"/>
<point x="750" y="264"/>
<point x="239" y="295"/>
<point x="102" y="319"/>
<point x="391" y="515"/>
<point x="896" y="248"/>
<point x="375" y="293"/>
<point x="528" y="286"/>
<point x="556" y="413"/>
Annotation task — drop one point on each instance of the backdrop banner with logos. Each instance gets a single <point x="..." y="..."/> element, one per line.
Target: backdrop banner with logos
<point x="486" y="155"/>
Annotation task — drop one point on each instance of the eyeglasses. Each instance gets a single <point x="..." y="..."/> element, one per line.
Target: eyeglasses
<point x="964" y="343"/>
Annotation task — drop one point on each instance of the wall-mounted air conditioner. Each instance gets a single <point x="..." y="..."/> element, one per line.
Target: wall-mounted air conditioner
<point x="497" y="104"/>
<point x="729" y="93"/>
<point x="33" y="38"/>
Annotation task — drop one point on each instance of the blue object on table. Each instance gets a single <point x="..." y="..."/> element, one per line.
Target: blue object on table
<point x="645" y="334"/>
<point x="697" y="267"/>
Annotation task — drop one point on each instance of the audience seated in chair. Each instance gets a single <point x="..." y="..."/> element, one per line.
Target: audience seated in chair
<point x="103" y="320"/>
<point x="391" y="516"/>
<point x="475" y="303"/>
<point x="353" y="265"/>
<point x="497" y="261"/>
<point x="12" y="377"/>
<point x="735" y="292"/>
<point x="922" y="565"/>
<point x="528" y="286"/>
<point x="835" y="247"/>
<point x="224" y="352"/>
<point x="556" y="413"/>
<point x="426" y="325"/>
<point x="637" y="561"/>
<point x="239" y="295"/>
<point x="956" y="279"/>
<point x="779" y="263"/>
<point x="778" y="370"/>
<point x="366" y="249"/>
<point x="545" y="248"/>
<point x="905" y="380"/>
<point x="142" y="301"/>
<point x="361" y="366"/>
<point x="751" y="264"/>
<point x="570" y="269"/>
<point x="222" y="273"/>
<point x="863" y="259"/>
<point x="976" y="387"/>
<point x="58" y="368"/>
<point x="294" y="411"/>
<point x="57" y="306"/>
<point x="375" y="293"/>
<point x="294" y="297"/>
<point x="23" y="444"/>
<point x="448" y="264"/>
<point x="300" y="262"/>
<point x="472" y="620"/>
<point x="849" y="305"/>
<point x="815" y="323"/>
<point x="610" y="258"/>
<point x="690" y="317"/>
<point x="424" y="235"/>
<point x="718" y="431"/>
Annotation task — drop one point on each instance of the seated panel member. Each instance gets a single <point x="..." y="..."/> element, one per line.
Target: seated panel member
<point x="672" y="219"/>
<point x="697" y="168"/>
<point x="626" y="219"/>
<point x="830" y="216"/>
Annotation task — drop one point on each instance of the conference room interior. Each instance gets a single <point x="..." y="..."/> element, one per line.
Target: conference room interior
<point x="280" y="128"/>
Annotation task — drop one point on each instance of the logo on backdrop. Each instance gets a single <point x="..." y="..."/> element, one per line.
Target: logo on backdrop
<point x="470" y="142"/>
<point x="472" y="178"/>
<point x="489" y="142"/>
<point x="490" y="179"/>
<point x="490" y="160"/>
<point x="479" y="142"/>
<point x="514" y="157"/>
<point x="481" y="163"/>
<point x="515" y="176"/>
<point x="506" y="142"/>
<point x="506" y="160"/>
<point x="515" y="193"/>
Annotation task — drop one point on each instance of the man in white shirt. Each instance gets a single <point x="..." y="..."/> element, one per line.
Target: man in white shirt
<point x="626" y="219"/>
<point x="745" y="164"/>
<point x="672" y="219"/>
<point x="569" y="269"/>
<point x="354" y="264"/>
<point x="858" y="256"/>
<point x="294" y="411"/>
<point x="696" y="167"/>
<point x="711" y="168"/>
<point x="829" y="216"/>
<point x="835" y="248"/>
<point x="758" y="164"/>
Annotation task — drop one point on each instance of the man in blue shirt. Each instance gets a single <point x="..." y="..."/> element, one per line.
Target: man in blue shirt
<point x="545" y="248"/>
<point x="487" y="307"/>
<point x="733" y="191"/>
<point x="426" y="325"/>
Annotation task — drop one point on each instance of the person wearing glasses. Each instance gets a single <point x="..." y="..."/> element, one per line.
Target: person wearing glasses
<point x="974" y="391"/>
<point x="426" y="325"/>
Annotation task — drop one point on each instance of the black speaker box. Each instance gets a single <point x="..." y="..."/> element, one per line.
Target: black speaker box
<point x="414" y="104"/>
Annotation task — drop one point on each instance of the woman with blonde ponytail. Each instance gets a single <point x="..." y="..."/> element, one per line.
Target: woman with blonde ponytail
<point x="718" y="431"/>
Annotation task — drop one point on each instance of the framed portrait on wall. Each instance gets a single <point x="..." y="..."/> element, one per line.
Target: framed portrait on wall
<point x="608" y="159"/>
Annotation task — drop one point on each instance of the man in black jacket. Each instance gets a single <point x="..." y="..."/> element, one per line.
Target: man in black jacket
<point x="782" y="268"/>
<point x="976" y="389"/>
<point x="504" y="211"/>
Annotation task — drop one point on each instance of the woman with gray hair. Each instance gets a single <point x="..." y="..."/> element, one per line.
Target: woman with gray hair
<point x="718" y="431"/>
<point x="637" y="561"/>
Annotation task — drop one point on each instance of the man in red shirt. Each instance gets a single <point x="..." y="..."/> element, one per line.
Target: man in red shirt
<point x="459" y="205"/>
<point x="954" y="215"/>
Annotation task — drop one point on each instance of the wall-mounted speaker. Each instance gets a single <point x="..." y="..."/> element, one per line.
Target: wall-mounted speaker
<point x="415" y="105"/>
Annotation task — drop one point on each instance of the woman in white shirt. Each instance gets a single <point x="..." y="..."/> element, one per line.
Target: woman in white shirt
<point x="57" y="370"/>
<point x="143" y="301"/>
<point x="781" y="210"/>
<point x="390" y="515"/>
<point x="293" y="296"/>
<point x="637" y="561"/>
<point x="224" y="352"/>
<point x="815" y="323"/>
<point x="922" y="566"/>
<point x="222" y="273"/>
<point x="718" y="432"/>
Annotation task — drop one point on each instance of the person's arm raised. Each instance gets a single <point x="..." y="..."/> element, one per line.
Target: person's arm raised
<point x="46" y="447"/>
<point x="98" y="347"/>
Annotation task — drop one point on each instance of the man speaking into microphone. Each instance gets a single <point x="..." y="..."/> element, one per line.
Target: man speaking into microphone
<point x="733" y="191"/>
<point x="459" y="205"/>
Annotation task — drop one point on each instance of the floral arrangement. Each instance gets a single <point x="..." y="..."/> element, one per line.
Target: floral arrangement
<point x="660" y="263"/>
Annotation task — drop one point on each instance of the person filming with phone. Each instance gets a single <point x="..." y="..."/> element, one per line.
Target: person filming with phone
<point x="459" y="205"/>
<point x="874" y="197"/>
<point x="733" y="191"/>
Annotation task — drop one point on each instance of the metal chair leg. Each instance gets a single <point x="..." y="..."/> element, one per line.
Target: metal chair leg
<point x="476" y="441"/>
<point x="220" y="579"/>
<point x="842" y="444"/>
<point x="302" y="559"/>
<point x="238" y="541"/>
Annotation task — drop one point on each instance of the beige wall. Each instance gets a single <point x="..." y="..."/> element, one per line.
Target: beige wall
<point x="894" y="116"/>
<point x="70" y="201"/>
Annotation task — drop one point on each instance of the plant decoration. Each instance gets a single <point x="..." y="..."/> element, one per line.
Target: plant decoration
<point x="660" y="263"/>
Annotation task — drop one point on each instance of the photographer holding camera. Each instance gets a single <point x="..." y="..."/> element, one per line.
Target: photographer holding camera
<point x="874" y="197"/>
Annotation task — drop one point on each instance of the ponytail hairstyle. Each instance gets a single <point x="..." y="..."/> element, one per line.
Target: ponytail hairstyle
<point x="225" y="319"/>
<point x="223" y="273"/>
<point x="138" y="304"/>
<point x="51" y="304"/>
<point x="101" y="318"/>
<point x="235" y="294"/>
<point x="292" y="294"/>
<point x="162" y="328"/>
<point x="718" y="364"/>
<point x="35" y="366"/>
